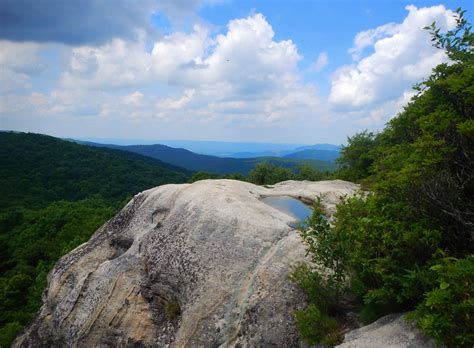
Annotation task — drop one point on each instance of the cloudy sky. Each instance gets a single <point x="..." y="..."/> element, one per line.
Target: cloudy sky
<point x="236" y="70"/>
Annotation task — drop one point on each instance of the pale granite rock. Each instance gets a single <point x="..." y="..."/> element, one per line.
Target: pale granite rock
<point x="391" y="331"/>
<point x="212" y="247"/>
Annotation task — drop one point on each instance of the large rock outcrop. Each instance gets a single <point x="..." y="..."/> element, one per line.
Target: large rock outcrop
<point x="203" y="264"/>
<point x="391" y="331"/>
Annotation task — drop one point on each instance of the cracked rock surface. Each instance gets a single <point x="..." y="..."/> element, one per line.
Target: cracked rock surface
<point x="197" y="265"/>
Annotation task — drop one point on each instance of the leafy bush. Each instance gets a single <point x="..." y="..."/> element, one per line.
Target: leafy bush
<point x="389" y="251"/>
<point x="203" y="176"/>
<point x="316" y="327"/>
<point x="235" y="176"/>
<point x="306" y="172"/>
<point x="357" y="158"/>
<point x="9" y="332"/>
<point x="323" y="283"/>
<point x="269" y="174"/>
<point x="320" y="293"/>
<point x="327" y="248"/>
<point x="409" y="244"/>
<point x="447" y="312"/>
<point x="208" y="175"/>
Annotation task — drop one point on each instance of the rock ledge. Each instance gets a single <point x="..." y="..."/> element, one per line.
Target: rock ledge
<point x="203" y="264"/>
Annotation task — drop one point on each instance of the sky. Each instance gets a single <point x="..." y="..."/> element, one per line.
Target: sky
<point x="224" y="70"/>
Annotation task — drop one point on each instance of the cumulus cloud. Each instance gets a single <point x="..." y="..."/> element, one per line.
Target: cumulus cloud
<point x="379" y="115"/>
<point x="239" y="83"/>
<point x="320" y="63"/>
<point x="177" y="103"/>
<point x="242" y="80"/>
<point x="244" y="66"/>
<point x="18" y="62"/>
<point x="246" y="55"/>
<point x="78" y="22"/>
<point x="402" y="55"/>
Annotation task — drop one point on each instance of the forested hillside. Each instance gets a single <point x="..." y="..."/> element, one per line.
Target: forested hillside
<point x="38" y="169"/>
<point x="409" y="244"/>
<point x="55" y="194"/>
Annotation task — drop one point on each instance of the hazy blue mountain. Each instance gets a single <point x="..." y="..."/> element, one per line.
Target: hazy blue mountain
<point x="213" y="148"/>
<point x="326" y="147"/>
<point x="323" y="155"/>
<point x="228" y="149"/>
<point x="247" y="154"/>
<point x="197" y="162"/>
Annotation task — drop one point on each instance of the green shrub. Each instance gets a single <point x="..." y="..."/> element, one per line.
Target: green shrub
<point x="390" y="243"/>
<point x="8" y="333"/>
<point x="306" y="172"/>
<point x="316" y="287"/>
<point x="357" y="157"/>
<point x="447" y="312"/>
<point x="269" y="174"/>
<point x="327" y="247"/>
<point x="317" y="328"/>
<point x="387" y="251"/>
<point x="235" y="176"/>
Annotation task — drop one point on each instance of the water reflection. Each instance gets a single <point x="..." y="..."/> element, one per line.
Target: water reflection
<point x="290" y="206"/>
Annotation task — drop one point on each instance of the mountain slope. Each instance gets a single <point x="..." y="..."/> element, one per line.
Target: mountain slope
<point x="37" y="169"/>
<point x="326" y="147"/>
<point x="324" y="155"/>
<point x="192" y="161"/>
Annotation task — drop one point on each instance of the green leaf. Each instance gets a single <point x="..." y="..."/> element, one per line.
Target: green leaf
<point x="443" y="285"/>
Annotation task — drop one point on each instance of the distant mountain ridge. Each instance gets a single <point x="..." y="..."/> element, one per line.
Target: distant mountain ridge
<point x="325" y="147"/>
<point x="324" y="155"/>
<point x="221" y="148"/>
<point x="203" y="147"/>
<point x="220" y="165"/>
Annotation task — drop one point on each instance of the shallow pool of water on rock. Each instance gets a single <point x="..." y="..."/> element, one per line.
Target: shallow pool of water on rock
<point x="289" y="205"/>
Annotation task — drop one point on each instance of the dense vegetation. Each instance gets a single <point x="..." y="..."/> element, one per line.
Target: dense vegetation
<point x="55" y="194"/>
<point x="269" y="174"/>
<point x="38" y="169"/>
<point x="408" y="245"/>
<point x="220" y="165"/>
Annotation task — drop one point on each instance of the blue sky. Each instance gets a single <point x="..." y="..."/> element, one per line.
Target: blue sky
<point x="258" y="71"/>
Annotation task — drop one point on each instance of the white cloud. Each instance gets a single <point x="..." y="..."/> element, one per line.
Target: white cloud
<point x="402" y="56"/>
<point x="177" y="103"/>
<point x="117" y="64"/>
<point x="243" y="66"/>
<point x="133" y="99"/>
<point x="245" y="57"/>
<point x="18" y="63"/>
<point x="320" y="63"/>
<point x="367" y="38"/>
<point x="239" y="84"/>
<point x="379" y="115"/>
